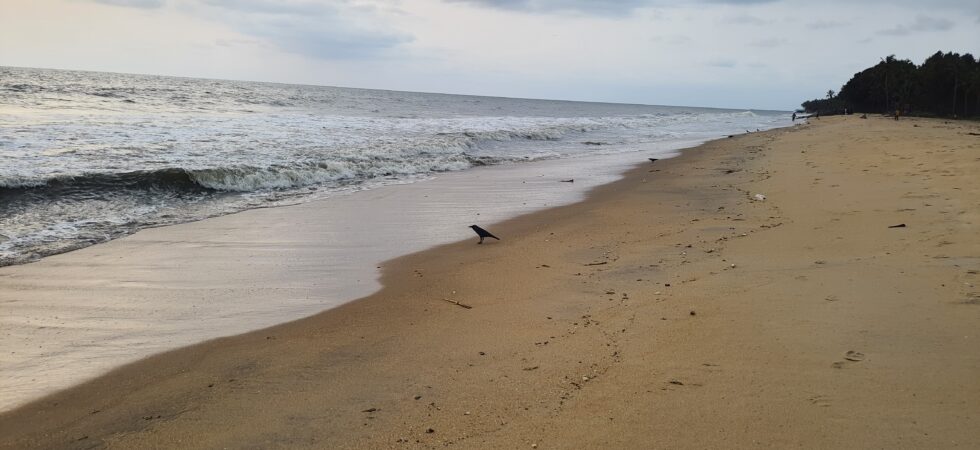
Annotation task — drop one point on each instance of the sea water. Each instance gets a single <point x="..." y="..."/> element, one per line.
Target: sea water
<point x="86" y="157"/>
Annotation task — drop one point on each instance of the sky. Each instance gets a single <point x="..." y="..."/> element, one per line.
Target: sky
<point x="763" y="54"/>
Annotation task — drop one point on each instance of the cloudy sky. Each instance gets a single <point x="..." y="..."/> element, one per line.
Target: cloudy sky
<point x="728" y="53"/>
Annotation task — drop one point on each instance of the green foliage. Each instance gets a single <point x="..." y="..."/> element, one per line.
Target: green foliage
<point x="825" y="106"/>
<point x="946" y="84"/>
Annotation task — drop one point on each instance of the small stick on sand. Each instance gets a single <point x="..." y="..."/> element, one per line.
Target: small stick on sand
<point x="457" y="303"/>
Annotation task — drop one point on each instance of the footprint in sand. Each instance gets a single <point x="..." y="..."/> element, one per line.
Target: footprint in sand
<point x="972" y="298"/>
<point x="850" y="357"/>
<point x="820" y="400"/>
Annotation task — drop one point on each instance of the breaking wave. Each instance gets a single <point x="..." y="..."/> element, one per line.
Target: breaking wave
<point x="247" y="178"/>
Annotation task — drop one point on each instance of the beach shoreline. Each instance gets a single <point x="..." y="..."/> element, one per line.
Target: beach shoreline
<point x="669" y="308"/>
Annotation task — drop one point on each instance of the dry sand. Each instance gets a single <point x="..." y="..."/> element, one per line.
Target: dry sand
<point x="669" y="310"/>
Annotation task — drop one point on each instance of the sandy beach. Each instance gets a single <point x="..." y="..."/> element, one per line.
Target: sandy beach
<point x="671" y="309"/>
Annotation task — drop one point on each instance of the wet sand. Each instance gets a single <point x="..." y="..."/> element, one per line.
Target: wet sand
<point x="669" y="309"/>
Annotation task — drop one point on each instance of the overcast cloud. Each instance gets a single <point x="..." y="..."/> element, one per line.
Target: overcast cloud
<point x="616" y="7"/>
<point x="324" y="30"/>
<point x="605" y="7"/>
<point x="727" y="53"/>
<point x="921" y="24"/>
<point x="133" y="3"/>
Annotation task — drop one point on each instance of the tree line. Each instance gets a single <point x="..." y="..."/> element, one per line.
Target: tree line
<point x="946" y="84"/>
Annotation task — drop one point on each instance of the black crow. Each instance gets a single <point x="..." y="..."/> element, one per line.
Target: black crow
<point x="483" y="233"/>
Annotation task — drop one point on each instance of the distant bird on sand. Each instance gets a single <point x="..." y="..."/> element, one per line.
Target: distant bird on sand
<point x="653" y="159"/>
<point x="483" y="233"/>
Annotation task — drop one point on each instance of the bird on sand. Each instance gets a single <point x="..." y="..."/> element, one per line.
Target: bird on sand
<point x="483" y="233"/>
<point x="653" y="159"/>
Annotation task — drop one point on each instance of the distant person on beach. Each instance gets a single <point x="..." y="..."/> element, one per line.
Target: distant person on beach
<point x="794" y="117"/>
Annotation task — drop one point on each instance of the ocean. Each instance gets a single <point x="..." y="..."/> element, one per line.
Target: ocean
<point x="86" y="157"/>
